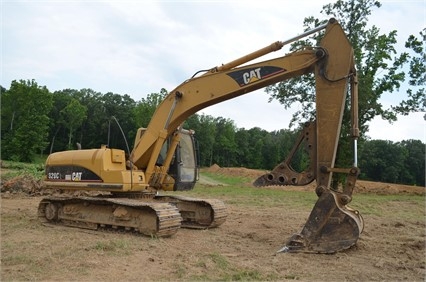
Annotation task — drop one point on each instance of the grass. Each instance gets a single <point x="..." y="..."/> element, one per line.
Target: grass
<point x="228" y="180"/>
<point x="372" y="204"/>
<point x="11" y="169"/>
<point x="237" y="192"/>
<point x="112" y="247"/>
<point x="219" y="268"/>
<point x="219" y="260"/>
<point x="249" y="196"/>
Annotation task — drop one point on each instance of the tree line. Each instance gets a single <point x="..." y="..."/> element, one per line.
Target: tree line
<point x="35" y="121"/>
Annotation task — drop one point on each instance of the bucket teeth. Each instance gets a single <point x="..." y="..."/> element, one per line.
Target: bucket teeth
<point x="283" y="175"/>
<point x="262" y="181"/>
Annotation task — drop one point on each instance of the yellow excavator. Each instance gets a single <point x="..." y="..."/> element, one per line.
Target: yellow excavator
<point x="164" y="157"/>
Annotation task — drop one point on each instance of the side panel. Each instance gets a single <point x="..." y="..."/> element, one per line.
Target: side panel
<point x="70" y="173"/>
<point x="95" y="169"/>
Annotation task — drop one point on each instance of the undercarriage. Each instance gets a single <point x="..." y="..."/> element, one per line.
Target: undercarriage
<point x="161" y="216"/>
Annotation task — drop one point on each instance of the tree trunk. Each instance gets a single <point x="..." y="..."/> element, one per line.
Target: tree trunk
<point x="11" y="122"/>
<point x="69" y="139"/>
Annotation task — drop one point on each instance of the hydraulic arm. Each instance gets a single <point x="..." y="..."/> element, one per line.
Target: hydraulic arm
<point x="331" y="225"/>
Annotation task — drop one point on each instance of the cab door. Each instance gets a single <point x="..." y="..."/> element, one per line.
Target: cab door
<point x="184" y="168"/>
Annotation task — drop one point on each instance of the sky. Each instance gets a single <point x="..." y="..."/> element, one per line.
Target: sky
<point x="140" y="47"/>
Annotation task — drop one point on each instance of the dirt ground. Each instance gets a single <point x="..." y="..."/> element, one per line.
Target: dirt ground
<point x="391" y="248"/>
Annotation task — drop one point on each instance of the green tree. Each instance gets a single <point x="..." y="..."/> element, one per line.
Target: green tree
<point x="242" y="140"/>
<point x="416" y="101"/>
<point x="270" y="151"/>
<point x="255" y="148"/>
<point x="73" y="116"/>
<point x="146" y="107"/>
<point x="94" y="129"/>
<point x="122" y="108"/>
<point x="224" y="150"/>
<point x="414" y="163"/>
<point x="383" y="161"/>
<point x="205" y="133"/>
<point x="98" y="127"/>
<point x="25" y="108"/>
<point x="58" y="133"/>
<point x="380" y="70"/>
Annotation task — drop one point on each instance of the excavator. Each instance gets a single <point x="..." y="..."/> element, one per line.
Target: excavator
<point x="164" y="156"/>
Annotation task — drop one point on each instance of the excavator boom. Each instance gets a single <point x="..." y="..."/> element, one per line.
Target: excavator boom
<point x="212" y="88"/>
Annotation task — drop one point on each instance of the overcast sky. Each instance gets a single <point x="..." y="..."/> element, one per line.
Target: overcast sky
<point x="139" y="47"/>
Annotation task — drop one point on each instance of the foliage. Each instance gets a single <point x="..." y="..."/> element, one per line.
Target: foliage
<point x="121" y="108"/>
<point x="25" y="121"/>
<point x="416" y="101"/>
<point x="14" y="169"/>
<point x="205" y="132"/>
<point x="380" y="70"/>
<point x="414" y="162"/>
<point x="74" y="113"/>
<point x="219" y="140"/>
<point x="224" y="145"/>
<point x="146" y="107"/>
<point x="401" y="162"/>
<point x="93" y="112"/>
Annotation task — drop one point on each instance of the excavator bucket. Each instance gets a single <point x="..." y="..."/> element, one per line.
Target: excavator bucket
<point x="331" y="227"/>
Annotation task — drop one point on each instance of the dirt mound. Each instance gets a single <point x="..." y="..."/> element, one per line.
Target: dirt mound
<point x="27" y="185"/>
<point x="213" y="168"/>
<point x="236" y="171"/>
<point x="362" y="186"/>
<point x="379" y="188"/>
<point x="24" y="184"/>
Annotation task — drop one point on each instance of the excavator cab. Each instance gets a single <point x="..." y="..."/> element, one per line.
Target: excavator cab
<point x="183" y="169"/>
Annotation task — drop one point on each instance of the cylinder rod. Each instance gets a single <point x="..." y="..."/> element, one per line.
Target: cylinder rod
<point x="309" y="32"/>
<point x="268" y="49"/>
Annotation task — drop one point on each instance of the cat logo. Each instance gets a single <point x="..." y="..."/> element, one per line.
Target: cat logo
<point x="251" y="76"/>
<point x="76" y="176"/>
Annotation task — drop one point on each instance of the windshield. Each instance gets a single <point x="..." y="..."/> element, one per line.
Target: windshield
<point x="188" y="164"/>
